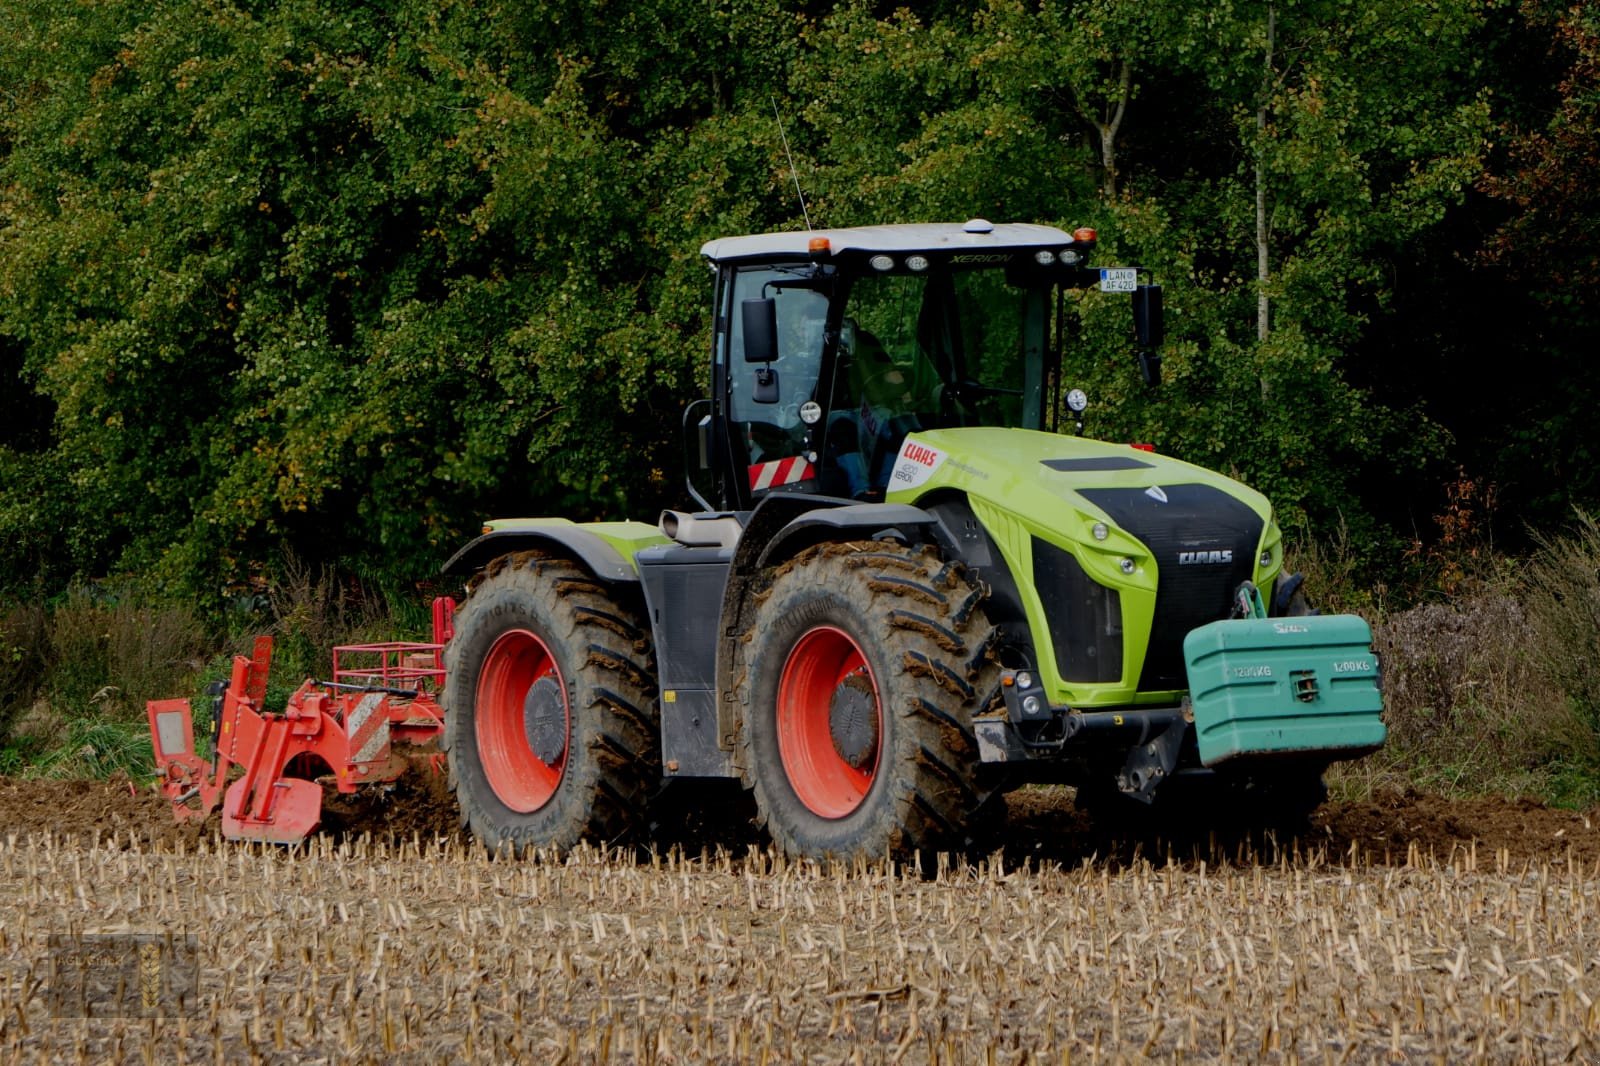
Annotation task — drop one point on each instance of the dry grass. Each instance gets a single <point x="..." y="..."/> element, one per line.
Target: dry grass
<point x="1563" y="581"/>
<point x="111" y="650"/>
<point x="1468" y="706"/>
<point x="1489" y="683"/>
<point x="24" y="640"/>
<point x="423" y="952"/>
<point x="313" y="607"/>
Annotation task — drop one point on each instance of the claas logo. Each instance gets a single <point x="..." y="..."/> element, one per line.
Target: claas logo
<point x="1201" y="558"/>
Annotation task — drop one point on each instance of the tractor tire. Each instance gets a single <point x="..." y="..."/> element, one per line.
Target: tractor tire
<point x="1289" y="598"/>
<point x="859" y="677"/>
<point x="551" y="724"/>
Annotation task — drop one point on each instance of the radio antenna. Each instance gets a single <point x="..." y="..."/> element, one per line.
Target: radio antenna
<point x="795" y="174"/>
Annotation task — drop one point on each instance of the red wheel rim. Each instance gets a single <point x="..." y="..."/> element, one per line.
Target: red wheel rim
<point x="823" y="663"/>
<point x="520" y="779"/>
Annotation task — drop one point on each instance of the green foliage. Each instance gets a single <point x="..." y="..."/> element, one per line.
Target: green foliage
<point x="346" y="281"/>
<point x="93" y="748"/>
<point x="300" y="280"/>
<point x="1549" y="246"/>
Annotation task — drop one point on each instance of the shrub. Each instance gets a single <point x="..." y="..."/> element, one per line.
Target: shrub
<point x="1336" y="574"/>
<point x="23" y="647"/>
<point x="110" y="652"/>
<point x="92" y="747"/>
<point x="1468" y="707"/>
<point x="1563" y="596"/>
<point x="74" y="679"/>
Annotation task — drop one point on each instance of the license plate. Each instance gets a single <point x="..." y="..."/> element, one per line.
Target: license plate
<point x="1118" y="279"/>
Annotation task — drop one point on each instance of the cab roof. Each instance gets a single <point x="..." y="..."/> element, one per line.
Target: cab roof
<point x="976" y="235"/>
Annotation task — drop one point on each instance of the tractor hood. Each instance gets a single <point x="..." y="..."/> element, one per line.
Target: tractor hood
<point x="1014" y="468"/>
<point x="1095" y="535"/>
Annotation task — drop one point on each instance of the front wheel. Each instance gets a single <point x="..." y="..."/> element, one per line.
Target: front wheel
<point x="861" y="672"/>
<point x="550" y="725"/>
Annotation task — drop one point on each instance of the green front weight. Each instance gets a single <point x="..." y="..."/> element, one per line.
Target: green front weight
<point x="1284" y="686"/>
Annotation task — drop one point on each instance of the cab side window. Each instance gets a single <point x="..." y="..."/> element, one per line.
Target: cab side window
<point x="770" y="437"/>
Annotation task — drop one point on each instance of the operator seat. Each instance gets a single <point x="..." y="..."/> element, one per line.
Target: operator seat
<point x="875" y="404"/>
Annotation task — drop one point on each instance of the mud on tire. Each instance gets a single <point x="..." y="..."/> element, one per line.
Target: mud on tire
<point x="858" y="680"/>
<point x="551" y="728"/>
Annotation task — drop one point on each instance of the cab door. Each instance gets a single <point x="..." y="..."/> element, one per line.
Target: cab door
<point x="773" y="433"/>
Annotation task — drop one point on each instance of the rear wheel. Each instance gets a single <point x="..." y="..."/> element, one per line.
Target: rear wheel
<point x="861" y="671"/>
<point x="551" y="727"/>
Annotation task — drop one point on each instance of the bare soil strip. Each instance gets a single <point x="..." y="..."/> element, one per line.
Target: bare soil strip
<point x="1042" y="826"/>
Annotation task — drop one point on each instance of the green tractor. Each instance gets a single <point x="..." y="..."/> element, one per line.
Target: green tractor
<point x="904" y="590"/>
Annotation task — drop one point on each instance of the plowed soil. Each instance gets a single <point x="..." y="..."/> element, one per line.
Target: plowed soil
<point x="1042" y="824"/>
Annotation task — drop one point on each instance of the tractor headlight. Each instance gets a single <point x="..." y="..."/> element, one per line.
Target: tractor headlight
<point x="1044" y="257"/>
<point x="1271" y="548"/>
<point x="917" y="262"/>
<point x="881" y="262"/>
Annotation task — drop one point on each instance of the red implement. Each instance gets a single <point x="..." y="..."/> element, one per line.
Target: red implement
<point x="266" y="763"/>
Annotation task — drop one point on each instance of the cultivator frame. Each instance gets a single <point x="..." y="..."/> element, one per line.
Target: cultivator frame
<point x="382" y="697"/>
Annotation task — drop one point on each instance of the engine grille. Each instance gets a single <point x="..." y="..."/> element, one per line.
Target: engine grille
<point x="1194" y="589"/>
<point x="1085" y="616"/>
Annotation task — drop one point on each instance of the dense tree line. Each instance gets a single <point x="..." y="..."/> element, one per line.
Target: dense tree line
<point x="349" y="277"/>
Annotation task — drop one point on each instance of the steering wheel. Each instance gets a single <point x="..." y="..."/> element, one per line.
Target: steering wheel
<point x="959" y="398"/>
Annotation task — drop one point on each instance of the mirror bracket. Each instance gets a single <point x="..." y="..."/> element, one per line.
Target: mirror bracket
<point x="766" y="390"/>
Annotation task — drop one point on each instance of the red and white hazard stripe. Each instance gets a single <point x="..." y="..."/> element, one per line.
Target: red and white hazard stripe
<point x="779" y="472"/>
<point x="367" y="726"/>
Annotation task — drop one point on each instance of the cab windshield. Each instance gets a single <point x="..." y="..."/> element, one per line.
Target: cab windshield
<point x="881" y="355"/>
<point x="949" y="345"/>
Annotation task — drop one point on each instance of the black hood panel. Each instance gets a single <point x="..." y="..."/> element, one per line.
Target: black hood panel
<point x="1204" y="542"/>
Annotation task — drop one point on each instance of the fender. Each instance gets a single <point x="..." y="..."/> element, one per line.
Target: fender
<point x="595" y="548"/>
<point x="850" y="522"/>
<point x="782" y="526"/>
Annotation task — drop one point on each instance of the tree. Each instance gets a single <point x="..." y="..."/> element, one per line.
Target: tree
<point x="347" y="280"/>
<point x="1545" y="382"/>
<point x="351" y="279"/>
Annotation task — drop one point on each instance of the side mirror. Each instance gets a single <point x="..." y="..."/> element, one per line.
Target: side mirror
<point x="766" y="390"/>
<point x="759" y="318"/>
<point x="1149" y="320"/>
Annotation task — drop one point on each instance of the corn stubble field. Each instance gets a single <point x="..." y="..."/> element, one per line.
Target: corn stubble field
<point x="1385" y="934"/>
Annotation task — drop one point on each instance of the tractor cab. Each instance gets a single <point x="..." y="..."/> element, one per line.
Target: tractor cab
<point x="831" y="346"/>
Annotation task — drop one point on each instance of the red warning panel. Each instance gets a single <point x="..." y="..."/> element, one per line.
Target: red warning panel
<point x="780" y="472"/>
